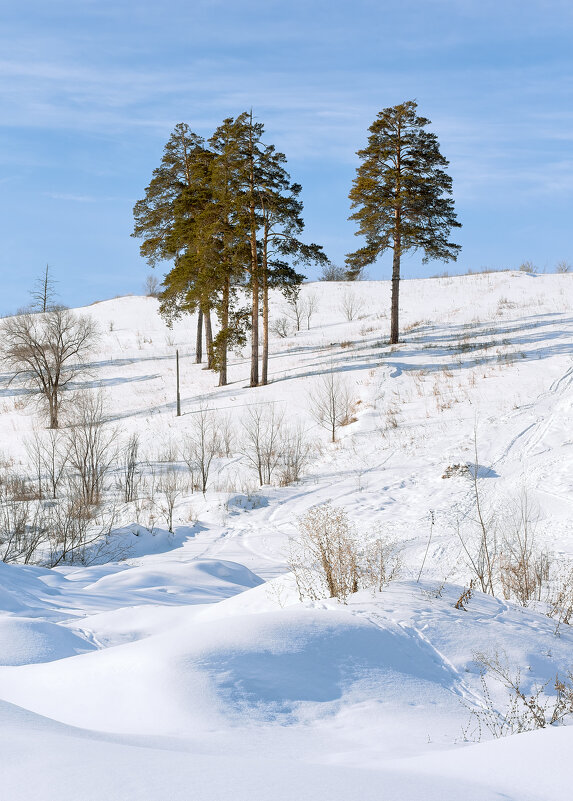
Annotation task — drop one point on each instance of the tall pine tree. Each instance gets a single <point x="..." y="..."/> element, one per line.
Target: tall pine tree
<point x="281" y="223"/>
<point x="270" y="209"/>
<point x="165" y="221"/>
<point x="402" y="197"/>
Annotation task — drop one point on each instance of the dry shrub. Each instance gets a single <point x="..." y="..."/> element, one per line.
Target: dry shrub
<point x="22" y="525"/>
<point x="524" y="569"/>
<point x="560" y="601"/>
<point x="329" y="560"/>
<point x="527" y="709"/>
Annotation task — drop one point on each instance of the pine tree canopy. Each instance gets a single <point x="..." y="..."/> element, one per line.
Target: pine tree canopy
<point x="401" y="193"/>
<point x="227" y="215"/>
<point x="402" y="197"/>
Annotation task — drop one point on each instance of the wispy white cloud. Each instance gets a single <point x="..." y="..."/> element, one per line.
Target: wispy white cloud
<point x="73" y="198"/>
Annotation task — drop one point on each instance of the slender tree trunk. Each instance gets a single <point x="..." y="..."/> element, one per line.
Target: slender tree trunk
<point x="45" y="293"/>
<point x="395" y="302"/>
<point x="394" y="324"/>
<point x="265" y="283"/>
<point x="255" y="332"/>
<point x="53" y="404"/>
<point x="199" y="339"/>
<point x="208" y="337"/>
<point x="224" y="331"/>
<point x="254" y="265"/>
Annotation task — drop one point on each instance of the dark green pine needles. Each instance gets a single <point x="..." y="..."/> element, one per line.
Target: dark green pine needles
<point x="402" y="197"/>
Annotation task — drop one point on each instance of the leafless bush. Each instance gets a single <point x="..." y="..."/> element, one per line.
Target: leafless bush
<point x="560" y="600"/>
<point x="296" y="308"/>
<point x="499" y="542"/>
<point x="280" y="327"/>
<point x="329" y="561"/>
<point x="527" y="267"/>
<point x="330" y="402"/>
<point x="333" y="272"/>
<point x="262" y="440"/>
<point x="563" y="267"/>
<point x="524" y="568"/>
<point x="75" y="527"/>
<point x="296" y="451"/>
<point x="201" y="445"/>
<point x="152" y="286"/>
<point x="169" y="452"/>
<point x="91" y="446"/>
<point x="481" y="546"/>
<point x="48" y="452"/>
<point x="226" y="431"/>
<point x="172" y="487"/>
<point x="380" y="563"/>
<point x="22" y="525"/>
<point x="129" y="470"/>
<point x="45" y="353"/>
<point x="526" y="710"/>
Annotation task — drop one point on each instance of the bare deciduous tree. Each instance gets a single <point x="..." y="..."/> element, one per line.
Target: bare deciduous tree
<point x="91" y="446"/>
<point x="261" y="441"/>
<point x="226" y="431"/>
<point x="48" y="452"/>
<point x="296" y="450"/>
<point x="43" y="293"/>
<point x="350" y="305"/>
<point x="333" y="272"/>
<point x="311" y="307"/>
<point x="129" y="470"/>
<point x="296" y="308"/>
<point x="330" y="402"/>
<point x="202" y="445"/>
<point x="45" y="353"/>
<point x="172" y="487"/>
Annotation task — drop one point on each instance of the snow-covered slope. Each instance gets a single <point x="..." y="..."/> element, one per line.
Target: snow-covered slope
<point x="190" y="669"/>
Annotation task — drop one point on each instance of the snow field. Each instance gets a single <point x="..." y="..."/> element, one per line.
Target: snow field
<point x="177" y="673"/>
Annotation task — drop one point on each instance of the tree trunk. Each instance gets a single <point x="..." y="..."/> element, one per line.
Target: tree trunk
<point x="208" y="337"/>
<point x="53" y="404"/>
<point x="254" y="265"/>
<point x="224" y="332"/>
<point x="255" y="332"/>
<point x="265" y="282"/>
<point x="394" y="325"/>
<point x="199" y="339"/>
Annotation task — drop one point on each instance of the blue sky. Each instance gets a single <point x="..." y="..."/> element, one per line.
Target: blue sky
<point x="91" y="89"/>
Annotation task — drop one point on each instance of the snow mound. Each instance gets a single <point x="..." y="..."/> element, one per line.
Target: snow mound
<point x="274" y="666"/>
<point x="186" y="582"/>
<point x="26" y="641"/>
<point x="24" y="588"/>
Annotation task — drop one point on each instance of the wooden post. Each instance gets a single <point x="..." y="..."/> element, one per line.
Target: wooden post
<point x="178" y="395"/>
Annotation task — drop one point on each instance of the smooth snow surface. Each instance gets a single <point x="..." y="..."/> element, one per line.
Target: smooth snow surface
<point x="184" y="666"/>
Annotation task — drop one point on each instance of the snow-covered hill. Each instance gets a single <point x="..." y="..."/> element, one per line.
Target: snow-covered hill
<point x="191" y="669"/>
